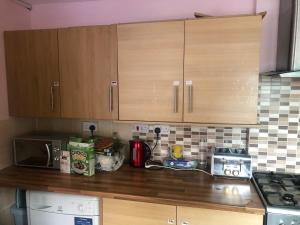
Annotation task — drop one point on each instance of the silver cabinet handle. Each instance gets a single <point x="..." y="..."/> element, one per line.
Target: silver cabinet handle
<point x="113" y="84"/>
<point x="190" y="90"/>
<point x="110" y="98"/>
<point x="171" y="221"/>
<point x="48" y="155"/>
<point x="175" y="100"/>
<point x="53" y="85"/>
<point x="184" y="223"/>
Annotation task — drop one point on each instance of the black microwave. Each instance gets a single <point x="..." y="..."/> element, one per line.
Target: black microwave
<point x="37" y="150"/>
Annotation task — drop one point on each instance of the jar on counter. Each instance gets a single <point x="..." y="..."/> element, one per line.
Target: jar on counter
<point x="202" y="155"/>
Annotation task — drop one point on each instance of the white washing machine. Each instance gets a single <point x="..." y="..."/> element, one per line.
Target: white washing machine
<point x="46" y="208"/>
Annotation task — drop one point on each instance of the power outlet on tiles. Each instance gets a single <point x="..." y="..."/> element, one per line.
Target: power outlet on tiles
<point x="142" y="128"/>
<point x="86" y="126"/>
<point x="164" y="129"/>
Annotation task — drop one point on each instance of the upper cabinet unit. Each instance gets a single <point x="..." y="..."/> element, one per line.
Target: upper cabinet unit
<point x="220" y="57"/>
<point x="200" y="71"/>
<point x="150" y="60"/>
<point x="70" y="73"/>
<point x="221" y="68"/>
<point x="88" y="71"/>
<point x="32" y="73"/>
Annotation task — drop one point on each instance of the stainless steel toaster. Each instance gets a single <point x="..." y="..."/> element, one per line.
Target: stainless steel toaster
<point x="229" y="162"/>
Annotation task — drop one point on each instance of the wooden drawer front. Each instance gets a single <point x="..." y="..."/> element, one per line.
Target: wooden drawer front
<point x="120" y="212"/>
<point x="196" y="216"/>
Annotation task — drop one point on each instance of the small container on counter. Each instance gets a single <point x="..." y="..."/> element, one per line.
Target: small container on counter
<point x="65" y="162"/>
<point x="202" y="155"/>
<point x="82" y="157"/>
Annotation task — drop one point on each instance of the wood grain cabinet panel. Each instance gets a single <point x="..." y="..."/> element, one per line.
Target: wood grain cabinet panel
<point x="221" y="70"/>
<point x="150" y="64"/>
<point x="32" y="73"/>
<point x="120" y="212"/>
<point x="88" y="65"/>
<point x="197" y="216"/>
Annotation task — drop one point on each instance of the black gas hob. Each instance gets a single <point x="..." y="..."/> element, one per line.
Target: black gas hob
<point x="281" y="196"/>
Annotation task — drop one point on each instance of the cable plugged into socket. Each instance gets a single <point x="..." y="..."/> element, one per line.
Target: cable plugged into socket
<point x="157" y="130"/>
<point x="154" y="164"/>
<point x="92" y="129"/>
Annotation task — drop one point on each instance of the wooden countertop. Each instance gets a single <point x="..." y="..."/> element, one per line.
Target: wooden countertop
<point x="184" y="188"/>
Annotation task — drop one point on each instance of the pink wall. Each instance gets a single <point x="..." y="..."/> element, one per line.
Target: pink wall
<point x="269" y="34"/>
<point x="12" y="17"/>
<point x="123" y="11"/>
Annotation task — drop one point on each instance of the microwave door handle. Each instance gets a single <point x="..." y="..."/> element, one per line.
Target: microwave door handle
<point x="48" y="153"/>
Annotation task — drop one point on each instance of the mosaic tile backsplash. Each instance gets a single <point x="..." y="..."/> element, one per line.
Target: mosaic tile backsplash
<point x="190" y="137"/>
<point x="274" y="145"/>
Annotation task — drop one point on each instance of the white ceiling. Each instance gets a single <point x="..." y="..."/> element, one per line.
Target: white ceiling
<point x="34" y="2"/>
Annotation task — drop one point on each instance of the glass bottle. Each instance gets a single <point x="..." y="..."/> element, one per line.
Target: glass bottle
<point x="202" y="155"/>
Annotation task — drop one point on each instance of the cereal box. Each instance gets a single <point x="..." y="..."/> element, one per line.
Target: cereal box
<point x="82" y="158"/>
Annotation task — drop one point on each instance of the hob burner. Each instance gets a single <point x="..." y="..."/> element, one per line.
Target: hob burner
<point x="289" y="199"/>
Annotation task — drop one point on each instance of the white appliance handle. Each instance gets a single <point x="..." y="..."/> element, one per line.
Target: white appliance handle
<point x="40" y="207"/>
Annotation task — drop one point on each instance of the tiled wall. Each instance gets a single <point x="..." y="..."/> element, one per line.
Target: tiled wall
<point x="190" y="136"/>
<point x="274" y="145"/>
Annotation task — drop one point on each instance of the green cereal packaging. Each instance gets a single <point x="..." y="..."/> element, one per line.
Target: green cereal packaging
<point x="82" y="158"/>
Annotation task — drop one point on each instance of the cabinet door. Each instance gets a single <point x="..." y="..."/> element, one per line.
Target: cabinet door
<point x="32" y="73"/>
<point x="88" y="66"/>
<point x="150" y="63"/>
<point x="196" y="216"/>
<point x="120" y="212"/>
<point x="221" y="70"/>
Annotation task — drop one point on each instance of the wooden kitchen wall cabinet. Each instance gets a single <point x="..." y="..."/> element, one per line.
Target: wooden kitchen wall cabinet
<point x="221" y="68"/>
<point x="32" y="73"/>
<point x="120" y="212"/>
<point x="197" y="216"/>
<point x="88" y="71"/>
<point x="150" y="65"/>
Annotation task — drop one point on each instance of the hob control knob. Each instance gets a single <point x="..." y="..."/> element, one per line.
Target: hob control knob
<point x="235" y="173"/>
<point x="227" y="172"/>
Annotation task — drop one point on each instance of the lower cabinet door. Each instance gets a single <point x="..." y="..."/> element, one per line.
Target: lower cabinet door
<point x="121" y="212"/>
<point x="197" y="216"/>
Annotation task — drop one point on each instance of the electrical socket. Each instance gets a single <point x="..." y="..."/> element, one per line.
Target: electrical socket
<point x="164" y="129"/>
<point x="143" y="128"/>
<point x="86" y="126"/>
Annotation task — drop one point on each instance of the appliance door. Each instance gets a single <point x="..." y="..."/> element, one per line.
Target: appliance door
<point x="37" y="153"/>
<point x="282" y="218"/>
<point x="37" y="217"/>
